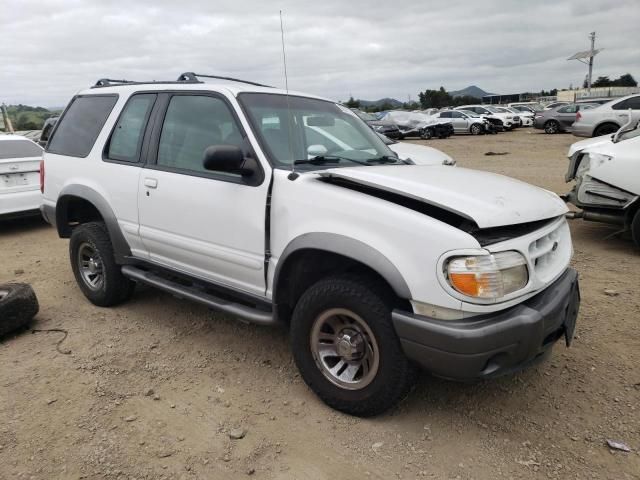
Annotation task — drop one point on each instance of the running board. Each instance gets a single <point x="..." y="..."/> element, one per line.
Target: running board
<point x="249" y="314"/>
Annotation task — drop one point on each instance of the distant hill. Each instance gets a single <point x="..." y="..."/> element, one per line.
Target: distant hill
<point x="25" y="117"/>
<point x="377" y="103"/>
<point x="471" y="91"/>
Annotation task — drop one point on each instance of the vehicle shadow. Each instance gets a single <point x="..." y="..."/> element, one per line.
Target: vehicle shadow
<point x="22" y="225"/>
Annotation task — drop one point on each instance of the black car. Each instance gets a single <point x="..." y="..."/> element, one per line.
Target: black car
<point x="386" y="128"/>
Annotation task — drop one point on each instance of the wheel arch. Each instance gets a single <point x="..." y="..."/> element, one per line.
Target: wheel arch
<point x="605" y="122"/>
<point x="79" y="204"/>
<point x="310" y="257"/>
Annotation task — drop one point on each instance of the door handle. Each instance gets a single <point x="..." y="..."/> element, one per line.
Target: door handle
<point x="151" y="183"/>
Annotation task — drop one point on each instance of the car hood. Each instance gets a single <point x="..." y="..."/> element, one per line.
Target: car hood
<point x="588" y="143"/>
<point x="488" y="199"/>
<point x="420" y="154"/>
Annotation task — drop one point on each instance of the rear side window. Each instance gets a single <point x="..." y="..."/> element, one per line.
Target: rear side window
<point x="81" y="124"/>
<point x="19" y="149"/>
<point x="633" y="103"/>
<point x="126" y="139"/>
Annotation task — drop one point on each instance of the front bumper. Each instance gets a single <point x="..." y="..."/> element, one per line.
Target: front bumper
<point x="494" y="344"/>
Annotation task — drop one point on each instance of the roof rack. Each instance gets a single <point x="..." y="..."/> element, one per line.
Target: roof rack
<point x="187" y="77"/>
<point x="193" y="77"/>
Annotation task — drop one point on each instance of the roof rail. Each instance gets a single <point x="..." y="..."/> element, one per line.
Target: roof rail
<point x="107" y="82"/>
<point x="193" y="77"/>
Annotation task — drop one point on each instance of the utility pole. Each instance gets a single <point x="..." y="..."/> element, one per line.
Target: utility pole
<point x="586" y="57"/>
<point x="592" y="36"/>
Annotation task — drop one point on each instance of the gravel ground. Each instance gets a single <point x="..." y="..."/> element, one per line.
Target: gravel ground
<point x="156" y="388"/>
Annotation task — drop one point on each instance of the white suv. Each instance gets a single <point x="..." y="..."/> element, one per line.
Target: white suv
<point x="235" y="196"/>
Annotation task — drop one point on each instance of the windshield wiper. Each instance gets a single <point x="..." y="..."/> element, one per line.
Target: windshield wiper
<point x="385" y="159"/>
<point x="324" y="159"/>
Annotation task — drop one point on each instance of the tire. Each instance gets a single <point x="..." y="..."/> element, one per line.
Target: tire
<point x="426" y="134"/>
<point x="605" y="129"/>
<point x="354" y="308"/>
<point x="476" y="129"/>
<point x="18" y="305"/>
<point x="551" y="127"/>
<point x="635" y="228"/>
<point x="94" y="266"/>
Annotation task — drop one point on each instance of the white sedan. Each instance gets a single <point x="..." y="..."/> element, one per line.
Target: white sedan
<point x="19" y="176"/>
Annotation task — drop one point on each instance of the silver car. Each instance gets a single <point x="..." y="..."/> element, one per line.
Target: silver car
<point x="561" y="118"/>
<point x="607" y="118"/>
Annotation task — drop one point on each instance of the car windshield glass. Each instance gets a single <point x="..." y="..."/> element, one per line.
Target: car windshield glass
<point x="299" y="129"/>
<point x="367" y="117"/>
<point x="630" y="134"/>
<point x="19" y="149"/>
<point x="493" y="109"/>
<point x="470" y="113"/>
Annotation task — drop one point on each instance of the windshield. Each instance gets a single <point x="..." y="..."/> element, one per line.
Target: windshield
<point x="493" y="109"/>
<point x="300" y="129"/>
<point x="470" y="113"/>
<point x="630" y="134"/>
<point x="367" y="117"/>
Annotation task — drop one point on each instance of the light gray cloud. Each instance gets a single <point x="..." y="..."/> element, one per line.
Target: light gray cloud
<point x="52" y="48"/>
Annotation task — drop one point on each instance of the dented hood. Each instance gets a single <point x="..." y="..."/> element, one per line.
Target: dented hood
<point x="490" y="200"/>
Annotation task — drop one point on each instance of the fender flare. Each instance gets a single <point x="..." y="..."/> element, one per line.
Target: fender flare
<point x="347" y="247"/>
<point x="121" y="248"/>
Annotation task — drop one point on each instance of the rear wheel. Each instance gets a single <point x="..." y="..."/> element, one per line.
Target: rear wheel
<point x="551" y="127"/>
<point x="605" y="129"/>
<point x="94" y="266"/>
<point x="346" y="348"/>
<point x="476" y="129"/>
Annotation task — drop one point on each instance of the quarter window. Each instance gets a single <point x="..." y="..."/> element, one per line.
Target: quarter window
<point x="81" y="124"/>
<point x="126" y="139"/>
<point x="633" y="103"/>
<point x="193" y="123"/>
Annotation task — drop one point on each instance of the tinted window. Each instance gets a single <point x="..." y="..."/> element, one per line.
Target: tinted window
<point x="633" y="102"/>
<point x="445" y="115"/>
<point x="19" y="149"/>
<point x="568" y="109"/>
<point x="80" y="125"/>
<point x="457" y="115"/>
<point x="193" y="123"/>
<point x="126" y="139"/>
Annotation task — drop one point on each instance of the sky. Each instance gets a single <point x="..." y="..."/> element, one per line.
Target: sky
<point x="50" y="49"/>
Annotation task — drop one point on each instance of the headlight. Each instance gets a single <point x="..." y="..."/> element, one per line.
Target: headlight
<point x="488" y="276"/>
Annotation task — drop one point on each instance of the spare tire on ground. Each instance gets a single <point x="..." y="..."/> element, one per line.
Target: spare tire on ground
<point x="18" y="305"/>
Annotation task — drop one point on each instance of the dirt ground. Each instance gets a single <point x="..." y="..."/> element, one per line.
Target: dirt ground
<point x="151" y="389"/>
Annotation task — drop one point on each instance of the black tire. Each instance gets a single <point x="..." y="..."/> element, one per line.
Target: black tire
<point x="18" y="305"/>
<point x="551" y="127"/>
<point x="394" y="375"/>
<point x="605" y="129"/>
<point x="635" y="228"/>
<point x="476" y="129"/>
<point x="426" y="134"/>
<point x="114" y="288"/>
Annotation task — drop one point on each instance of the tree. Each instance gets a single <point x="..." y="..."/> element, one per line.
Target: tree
<point x="352" y="103"/>
<point x="601" y="82"/>
<point x="626" y="80"/>
<point x="434" y="98"/>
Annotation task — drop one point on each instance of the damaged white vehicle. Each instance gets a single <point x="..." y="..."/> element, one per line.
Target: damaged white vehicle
<point x="281" y="208"/>
<point x="606" y="171"/>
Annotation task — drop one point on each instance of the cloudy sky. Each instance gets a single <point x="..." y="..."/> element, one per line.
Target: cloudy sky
<point x="369" y="49"/>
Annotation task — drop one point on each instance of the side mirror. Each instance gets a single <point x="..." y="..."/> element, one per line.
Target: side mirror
<point x="227" y="158"/>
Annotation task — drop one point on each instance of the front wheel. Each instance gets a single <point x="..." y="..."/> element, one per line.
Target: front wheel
<point x="476" y="129"/>
<point x="94" y="266"/>
<point x="346" y="348"/>
<point x="426" y="134"/>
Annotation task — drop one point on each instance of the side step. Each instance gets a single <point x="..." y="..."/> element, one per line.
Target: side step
<point x="249" y="314"/>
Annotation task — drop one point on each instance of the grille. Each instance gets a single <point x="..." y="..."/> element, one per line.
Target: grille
<point x="550" y="253"/>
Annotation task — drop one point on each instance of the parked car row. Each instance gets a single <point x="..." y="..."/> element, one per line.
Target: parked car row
<point x="589" y="119"/>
